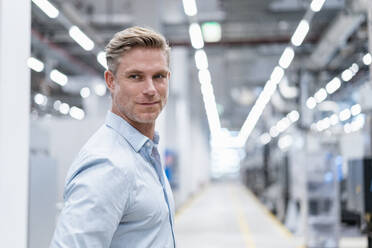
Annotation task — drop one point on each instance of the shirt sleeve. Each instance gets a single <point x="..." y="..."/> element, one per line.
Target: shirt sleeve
<point x="95" y="200"/>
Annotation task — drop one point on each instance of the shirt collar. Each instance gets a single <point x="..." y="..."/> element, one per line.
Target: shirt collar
<point x="136" y="139"/>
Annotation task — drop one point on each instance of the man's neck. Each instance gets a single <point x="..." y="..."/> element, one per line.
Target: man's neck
<point x="147" y="129"/>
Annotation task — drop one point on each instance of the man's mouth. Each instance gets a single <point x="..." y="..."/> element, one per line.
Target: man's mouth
<point x="149" y="103"/>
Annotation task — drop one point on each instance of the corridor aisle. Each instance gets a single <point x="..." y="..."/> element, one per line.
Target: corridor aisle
<point x="227" y="215"/>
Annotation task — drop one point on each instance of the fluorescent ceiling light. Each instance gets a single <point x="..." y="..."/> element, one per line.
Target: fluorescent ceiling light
<point x="274" y="132"/>
<point x="35" y="64"/>
<point x="64" y="108"/>
<point x="320" y="95"/>
<point x="82" y="39"/>
<point x="285" y="142"/>
<point x="347" y="128"/>
<point x="47" y="8"/>
<point x="189" y="6"/>
<point x="286" y="58"/>
<point x="265" y="138"/>
<point x="40" y="99"/>
<point x="286" y="90"/>
<point x="101" y="58"/>
<point x="293" y="116"/>
<point x="205" y="77"/>
<point x="196" y="36"/>
<point x="77" y="113"/>
<point x="354" y="68"/>
<point x="57" y="104"/>
<point x="333" y="85"/>
<point x="316" y="5"/>
<point x="211" y="31"/>
<point x="100" y="89"/>
<point x="345" y="114"/>
<point x="58" y="77"/>
<point x="347" y="75"/>
<point x="283" y="124"/>
<point x="201" y="60"/>
<point x="323" y="124"/>
<point x="277" y="75"/>
<point x="85" y="92"/>
<point x="367" y="59"/>
<point x="356" y="109"/>
<point x="311" y="102"/>
<point x="300" y="33"/>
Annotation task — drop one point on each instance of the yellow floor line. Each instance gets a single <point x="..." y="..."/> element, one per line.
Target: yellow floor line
<point x="282" y="228"/>
<point x="243" y="225"/>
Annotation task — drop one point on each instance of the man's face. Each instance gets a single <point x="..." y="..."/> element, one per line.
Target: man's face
<point x="140" y="87"/>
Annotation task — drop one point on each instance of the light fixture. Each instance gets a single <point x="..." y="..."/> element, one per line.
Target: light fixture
<point x="293" y="116"/>
<point x="274" y="132"/>
<point x="35" y="64"/>
<point x="333" y="85"/>
<point x="265" y="138"/>
<point x="58" y="77"/>
<point x="311" y="102"/>
<point x="347" y="75"/>
<point x="189" y="6"/>
<point x="356" y="109"/>
<point x="201" y="59"/>
<point x="316" y="5"/>
<point x="85" y="92"/>
<point x="354" y="68"/>
<point x="40" y="99"/>
<point x="100" y="89"/>
<point x="347" y="128"/>
<point x="196" y="36"/>
<point x="47" y="8"/>
<point x="211" y="31"/>
<point x="344" y="115"/>
<point x="285" y="142"/>
<point x="101" y="58"/>
<point x="77" y="113"/>
<point x="320" y="95"/>
<point x="57" y="104"/>
<point x="64" y="108"/>
<point x="367" y="59"/>
<point x="300" y="33"/>
<point x="283" y="124"/>
<point x="277" y="75"/>
<point x="82" y="39"/>
<point x="287" y="57"/>
<point x="205" y="77"/>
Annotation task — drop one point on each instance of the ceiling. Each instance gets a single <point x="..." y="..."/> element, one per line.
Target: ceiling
<point x="254" y="35"/>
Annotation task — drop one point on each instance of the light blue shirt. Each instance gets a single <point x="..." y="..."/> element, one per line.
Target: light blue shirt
<point x="116" y="193"/>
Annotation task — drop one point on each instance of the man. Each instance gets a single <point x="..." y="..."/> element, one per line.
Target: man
<point x="116" y="192"/>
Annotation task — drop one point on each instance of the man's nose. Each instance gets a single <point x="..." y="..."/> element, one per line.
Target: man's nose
<point x="149" y="88"/>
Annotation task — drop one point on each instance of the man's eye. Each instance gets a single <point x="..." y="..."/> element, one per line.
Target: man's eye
<point x="134" y="76"/>
<point x="159" y="76"/>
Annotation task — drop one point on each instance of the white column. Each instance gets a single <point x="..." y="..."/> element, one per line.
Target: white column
<point x="14" y="121"/>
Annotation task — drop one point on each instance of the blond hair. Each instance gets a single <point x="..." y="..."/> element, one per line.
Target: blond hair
<point x="130" y="38"/>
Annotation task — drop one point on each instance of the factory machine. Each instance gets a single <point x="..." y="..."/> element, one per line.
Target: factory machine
<point x="359" y="188"/>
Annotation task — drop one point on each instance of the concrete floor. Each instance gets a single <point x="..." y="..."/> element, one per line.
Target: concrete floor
<point x="227" y="215"/>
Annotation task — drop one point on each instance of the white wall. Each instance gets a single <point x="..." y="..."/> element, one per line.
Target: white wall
<point x="15" y="26"/>
<point x="68" y="135"/>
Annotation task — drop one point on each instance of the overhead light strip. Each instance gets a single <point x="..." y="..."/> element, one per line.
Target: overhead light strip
<point x="201" y="62"/>
<point x="333" y="85"/>
<point x="278" y="72"/>
<point x="47" y="8"/>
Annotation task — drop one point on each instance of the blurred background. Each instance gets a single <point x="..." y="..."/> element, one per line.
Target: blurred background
<point x="266" y="137"/>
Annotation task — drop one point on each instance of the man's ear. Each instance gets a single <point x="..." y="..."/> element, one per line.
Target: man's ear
<point x="110" y="80"/>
